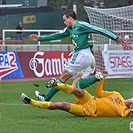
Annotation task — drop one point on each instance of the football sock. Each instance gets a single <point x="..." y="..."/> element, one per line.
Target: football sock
<point x="52" y="91"/>
<point x="40" y="104"/>
<point x="85" y="82"/>
<point x="65" y="88"/>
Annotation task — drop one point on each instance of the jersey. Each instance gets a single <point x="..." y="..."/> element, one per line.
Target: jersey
<point x="110" y="103"/>
<point x="79" y="34"/>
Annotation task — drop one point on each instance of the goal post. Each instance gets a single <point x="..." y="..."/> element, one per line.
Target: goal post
<point x="119" y="20"/>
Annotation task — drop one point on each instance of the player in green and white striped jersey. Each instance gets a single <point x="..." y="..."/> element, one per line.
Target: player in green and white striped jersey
<point x="82" y="62"/>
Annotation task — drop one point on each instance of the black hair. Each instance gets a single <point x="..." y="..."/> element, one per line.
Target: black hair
<point x="70" y="13"/>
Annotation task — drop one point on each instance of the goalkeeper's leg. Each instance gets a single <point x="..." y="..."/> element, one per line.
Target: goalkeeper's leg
<point x="81" y="84"/>
<point x="68" y="107"/>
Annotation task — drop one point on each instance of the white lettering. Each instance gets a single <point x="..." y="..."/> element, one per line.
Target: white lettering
<point x="35" y="61"/>
<point x="47" y="65"/>
<point x="54" y="66"/>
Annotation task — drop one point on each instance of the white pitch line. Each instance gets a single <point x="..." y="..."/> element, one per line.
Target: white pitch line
<point x="15" y="84"/>
<point x="12" y="104"/>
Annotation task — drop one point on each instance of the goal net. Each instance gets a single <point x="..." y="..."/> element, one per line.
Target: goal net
<point x="119" y="20"/>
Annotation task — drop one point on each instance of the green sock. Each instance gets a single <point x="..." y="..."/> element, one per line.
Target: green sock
<point x="52" y="91"/>
<point x="85" y="82"/>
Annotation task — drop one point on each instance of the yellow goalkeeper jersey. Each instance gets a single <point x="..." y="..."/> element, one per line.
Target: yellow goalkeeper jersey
<point x="110" y="103"/>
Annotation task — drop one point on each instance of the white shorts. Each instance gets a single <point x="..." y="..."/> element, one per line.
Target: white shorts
<point x="82" y="63"/>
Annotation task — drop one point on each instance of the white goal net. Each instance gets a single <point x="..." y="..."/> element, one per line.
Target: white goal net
<point x="119" y="20"/>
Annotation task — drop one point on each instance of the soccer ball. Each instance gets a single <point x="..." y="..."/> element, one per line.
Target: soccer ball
<point x="126" y="37"/>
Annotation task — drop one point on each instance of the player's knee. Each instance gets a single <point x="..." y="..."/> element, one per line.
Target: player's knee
<point x="65" y="76"/>
<point x="64" y="106"/>
<point x="60" y="105"/>
<point x="79" y="93"/>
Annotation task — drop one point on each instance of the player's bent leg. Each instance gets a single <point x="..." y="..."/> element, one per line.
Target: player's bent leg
<point x="52" y="91"/>
<point x="79" y="93"/>
<point x="86" y="82"/>
<point x="66" y="88"/>
<point x="63" y="87"/>
<point x="85" y="98"/>
<point x="66" y="75"/>
<point x="87" y="103"/>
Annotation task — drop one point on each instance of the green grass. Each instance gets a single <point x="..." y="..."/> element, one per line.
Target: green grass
<point x="17" y="117"/>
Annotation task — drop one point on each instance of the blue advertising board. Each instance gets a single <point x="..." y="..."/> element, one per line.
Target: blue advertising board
<point x="10" y="67"/>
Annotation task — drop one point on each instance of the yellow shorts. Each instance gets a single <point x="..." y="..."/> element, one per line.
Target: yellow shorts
<point x="85" y="106"/>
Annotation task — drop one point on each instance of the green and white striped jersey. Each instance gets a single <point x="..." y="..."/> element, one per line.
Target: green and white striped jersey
<point x="79" y="34"/>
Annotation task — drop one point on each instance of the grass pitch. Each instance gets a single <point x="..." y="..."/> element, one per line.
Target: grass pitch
<point x="17" y="117"/>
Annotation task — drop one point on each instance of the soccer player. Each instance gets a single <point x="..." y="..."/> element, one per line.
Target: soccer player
<point x="109" y="103"/>
<point x="82" y="58"/>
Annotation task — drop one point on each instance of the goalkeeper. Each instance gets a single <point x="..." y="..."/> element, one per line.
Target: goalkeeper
<point x="82" y="58"/>
<point x="109" y="103"/>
